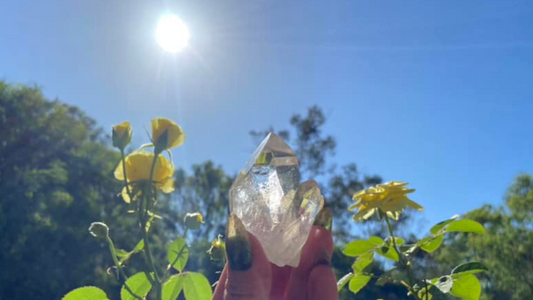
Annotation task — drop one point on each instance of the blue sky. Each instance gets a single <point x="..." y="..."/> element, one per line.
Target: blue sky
<point x="436" y="93"/>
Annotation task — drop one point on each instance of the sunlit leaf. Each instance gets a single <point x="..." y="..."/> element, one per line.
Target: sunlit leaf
<point x="388" y="252"/>
<point x="469" y="268"/>
<point x="437" y="227"/>
<point x="466" y="287"/>
<point x="138" y="284"/>
<point x="196" y="287"/>
<point x="86" y="293"/>
<point x="444" y="284"/>
<point x="172" y="288"/>
<point x="431" y="244"/>
<point x="465" y="226"/>
<point x="399" y="241"/>
<point x="177" y="254"/>
<point x="358" y="282"/>
<point x="356" y="248"/>
<point x="362" y="262"/>
<point x="343" y="281"/>
<point x="376" y="240"/>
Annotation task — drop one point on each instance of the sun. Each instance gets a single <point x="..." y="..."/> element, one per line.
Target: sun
<point x="172" y="34"/>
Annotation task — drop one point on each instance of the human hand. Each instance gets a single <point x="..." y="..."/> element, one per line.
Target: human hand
<point x="249" y="275"/>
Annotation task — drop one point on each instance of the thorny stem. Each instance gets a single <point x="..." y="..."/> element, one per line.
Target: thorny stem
<point x="119" y="268"/>
<point x="402" y="259"/>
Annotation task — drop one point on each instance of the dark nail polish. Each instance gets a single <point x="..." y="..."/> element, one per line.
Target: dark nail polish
<point x="238" y="246"/>
<point x="322" y="258"/>
<point x="324" y="219"/>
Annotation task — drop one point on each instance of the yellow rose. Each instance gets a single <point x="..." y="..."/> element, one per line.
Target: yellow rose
<point x="391" y="198"/>
<point x="121" y="135"/>
<point x="166" y="134"/>
<point x="138" y="166"/>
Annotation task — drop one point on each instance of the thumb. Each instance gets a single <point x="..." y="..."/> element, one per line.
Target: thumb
<point x="247" y="274"/>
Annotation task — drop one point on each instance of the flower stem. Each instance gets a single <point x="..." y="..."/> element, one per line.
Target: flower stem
<point x="123" y="157"/>
<point x="143" y="216"/>
<point x="119" y="268"/>
<point x="403" y="260"/>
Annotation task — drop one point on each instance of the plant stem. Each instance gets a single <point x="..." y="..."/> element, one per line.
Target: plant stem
<point x="403" y="260"/>
<point x="119" y="268"/>
<point x="143" y="215"/>
<point x="123" y="157"/>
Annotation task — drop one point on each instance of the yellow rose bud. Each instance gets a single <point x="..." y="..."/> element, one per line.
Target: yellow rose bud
<point x="193" y="220"/>
<point x="217" y="252"/>
<point x="166" y="134"/>
<point x="99" y="230"/>
<point x="121" y="135"/>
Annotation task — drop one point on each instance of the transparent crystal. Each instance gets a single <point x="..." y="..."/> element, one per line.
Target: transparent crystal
<point x="271" y="203"/>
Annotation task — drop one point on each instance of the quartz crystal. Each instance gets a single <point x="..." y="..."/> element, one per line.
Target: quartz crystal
<point x="272" y="204"/>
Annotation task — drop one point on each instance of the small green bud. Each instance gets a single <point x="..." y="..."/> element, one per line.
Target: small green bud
<point x="121" y="135"/>
<point x="194" y="220"/>
<point x="217" y="252"/>
<point x="99" y="230"/>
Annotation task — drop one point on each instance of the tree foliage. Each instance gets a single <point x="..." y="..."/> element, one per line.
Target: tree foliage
<point x="505" y="248"/>
<point x="55" y="170"/>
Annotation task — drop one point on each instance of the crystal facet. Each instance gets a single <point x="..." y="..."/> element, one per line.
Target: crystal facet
<point x="271" y="203"/>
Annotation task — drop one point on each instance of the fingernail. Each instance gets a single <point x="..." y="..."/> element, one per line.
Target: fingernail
<point x="238" y="246"/>
<point x="324" y="219"/>
<point x="322" y="258"/>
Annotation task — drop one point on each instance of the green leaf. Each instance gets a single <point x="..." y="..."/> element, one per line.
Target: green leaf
<point x="86" y="293"/>
<point x="138" y="284"/>
<point x="431" y="244"/>
<point x="398" y="241"/>
<point x="465" y="226"/>
<point x="125" y="256"/>
<point x="357" y="248"/>
<point x="388" y="252"/>
<point x="435" y="229"/>
<point x="172" y="288"/>
<point x="121" y="253"/>
<point x="196" y="287"/>
<point x="376" y="240"/>
<point x="343" y="281"/>
<point x="466" y="287"/>
<point x="444" y="284"/>
<point x="139" y="247"/>
<point x="362" y="262"/>
<point x="358" y="282"/>
<point x="469" y="268"/>
<point x="177" y="254"/>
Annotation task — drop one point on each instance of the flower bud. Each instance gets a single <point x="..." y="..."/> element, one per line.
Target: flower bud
<point x="121" y="135"/>
<point x="217" y="252"/>
<point x="166" y="134"/>
<point x="194" y="220"/>
<point x="99" y="230"/>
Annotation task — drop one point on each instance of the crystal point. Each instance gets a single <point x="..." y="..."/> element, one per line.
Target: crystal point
<point x="271" y="203"/>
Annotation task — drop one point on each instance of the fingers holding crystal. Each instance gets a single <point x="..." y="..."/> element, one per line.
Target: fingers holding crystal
<point x="317" y="251"/>
<point x="247" y="274"/>
<point x="322" y="284"/>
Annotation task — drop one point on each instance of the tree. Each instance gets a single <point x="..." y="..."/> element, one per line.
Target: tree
<point x="55" y="179"/>
<point x="505" y="248"/>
